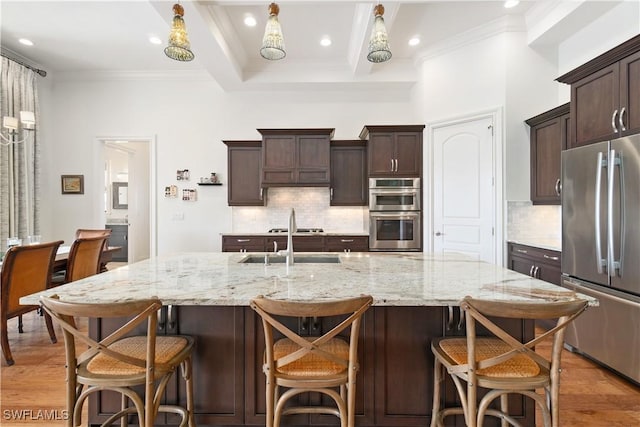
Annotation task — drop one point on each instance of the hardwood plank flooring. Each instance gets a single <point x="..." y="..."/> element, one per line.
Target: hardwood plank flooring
<point x="590" y="396"/>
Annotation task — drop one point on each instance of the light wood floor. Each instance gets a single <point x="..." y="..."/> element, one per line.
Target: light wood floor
<point x="590" y="396"/>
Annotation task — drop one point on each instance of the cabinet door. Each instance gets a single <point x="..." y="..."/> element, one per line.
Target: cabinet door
<point x="313" y="160"/>
<point x="119" y="237"/>
<point x="549" y="273"/>
<point x="308" y="243"/>
<point x="381" y="154"/>
<point x="408" y="156"/>
<point x="278" y="159"/>
<point x="402" y="337"/>
<point x="349" y="176"/>
<point x="218" y="364"/>
<point x="521" y="265"/>
<point x="594" y="99"/>
<point x="244" y="176"/>
<point x="546" y="146"/>
<point x="630" y="93"/>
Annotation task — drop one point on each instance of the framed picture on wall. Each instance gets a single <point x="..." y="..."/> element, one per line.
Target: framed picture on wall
<point x="72" y="184"/>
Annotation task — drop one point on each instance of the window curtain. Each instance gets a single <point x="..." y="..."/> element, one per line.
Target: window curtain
<point x="19" y="161"/>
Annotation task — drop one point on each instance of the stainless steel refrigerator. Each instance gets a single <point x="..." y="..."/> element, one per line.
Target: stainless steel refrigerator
<point x="601" y="249"/>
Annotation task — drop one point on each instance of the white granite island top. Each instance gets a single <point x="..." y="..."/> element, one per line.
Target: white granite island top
<point x="393" y="279"/>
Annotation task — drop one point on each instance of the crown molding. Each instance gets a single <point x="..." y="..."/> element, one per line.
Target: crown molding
<point x="470" y="37"/>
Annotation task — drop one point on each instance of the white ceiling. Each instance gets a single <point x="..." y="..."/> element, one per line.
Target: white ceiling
<point x="113" y="36"/>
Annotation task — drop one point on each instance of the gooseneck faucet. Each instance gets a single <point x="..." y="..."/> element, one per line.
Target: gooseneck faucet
<point x="290" y="230"/>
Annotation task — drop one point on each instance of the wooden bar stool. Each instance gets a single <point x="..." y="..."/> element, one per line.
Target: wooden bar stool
<point x="120" y="361"/>
<point x="501" y="363"/>
<point x="325" y="364"/>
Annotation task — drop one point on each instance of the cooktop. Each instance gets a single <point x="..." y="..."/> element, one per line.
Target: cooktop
<point x="300" y="230"/>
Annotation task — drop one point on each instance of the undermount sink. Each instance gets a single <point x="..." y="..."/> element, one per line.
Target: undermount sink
<point x="299" y="259"/>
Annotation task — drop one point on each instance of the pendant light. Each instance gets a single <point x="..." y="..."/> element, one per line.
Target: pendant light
<point x="179" y="47"/>
<point x="379" y="42"/>
<point x="273" y="42"/>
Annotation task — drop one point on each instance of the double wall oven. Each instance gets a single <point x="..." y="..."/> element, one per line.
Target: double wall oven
<point x="394" y="214"/>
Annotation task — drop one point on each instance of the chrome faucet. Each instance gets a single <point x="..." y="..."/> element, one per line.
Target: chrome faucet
<point x="290" y="230"/>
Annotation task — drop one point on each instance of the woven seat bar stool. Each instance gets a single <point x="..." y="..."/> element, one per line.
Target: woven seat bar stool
<point x="501" y="363"/>
<point x="325" y="364"/>
<point x="122" y="361"/>
<point x="25" y="270"/>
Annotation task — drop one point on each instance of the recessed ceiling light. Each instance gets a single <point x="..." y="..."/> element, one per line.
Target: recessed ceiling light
<point x="26" y="42"/>
<point x="155" y="40"/>
<point x="250" y="21"/>
<point x="414" y="41"/>
<point x="511" y="3"/>
<point x="325" y="41"/>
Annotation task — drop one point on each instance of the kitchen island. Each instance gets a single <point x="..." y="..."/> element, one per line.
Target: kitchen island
<point x="207" y="295"/>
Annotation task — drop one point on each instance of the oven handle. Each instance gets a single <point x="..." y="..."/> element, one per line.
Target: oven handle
<point x="400" y="215"/>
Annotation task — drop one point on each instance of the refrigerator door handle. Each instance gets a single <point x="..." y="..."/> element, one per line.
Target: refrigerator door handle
<point x="614" y="160"/>
<point x="600" y="262"/>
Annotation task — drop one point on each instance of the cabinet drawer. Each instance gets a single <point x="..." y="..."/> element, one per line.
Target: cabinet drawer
<point x="300" y="243"/>
<point x="538" y="254"/>
<point x="243" y="243"/>
<point x="347" y="243"/>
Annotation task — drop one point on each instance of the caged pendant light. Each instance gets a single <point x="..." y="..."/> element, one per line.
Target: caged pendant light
<point x="379" y="42"/>
<point x="273" y="41"/>
<point x="179" y="47"/>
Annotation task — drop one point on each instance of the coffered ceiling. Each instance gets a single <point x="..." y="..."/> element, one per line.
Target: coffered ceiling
<point x="112" y="37"/>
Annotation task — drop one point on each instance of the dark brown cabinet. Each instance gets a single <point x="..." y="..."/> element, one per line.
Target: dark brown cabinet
<point x="394" y="150"/>
<point x="349" y="185"/>
<point x="244" y="160"/>
<point x="548" y="135"/>
<point x="293" y="157"/>
<point x="605" y="95"/>
<point x="243" y="244"/>
<point x="347" y="243"/>
<point x="543" y="264"/>
<point x="311" y="243"/>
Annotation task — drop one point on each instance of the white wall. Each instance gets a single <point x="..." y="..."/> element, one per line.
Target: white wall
<point x="612" y="28"/>
<point x="189" y="117"/>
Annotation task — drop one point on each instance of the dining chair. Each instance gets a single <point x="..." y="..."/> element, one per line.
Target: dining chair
<point x="122" y="361"/>
<point x="83" y="260"/>
<point x="82" y="233"/>
<point x="325" y="364"/>
<point x="25" y="270"/>
<point x="500" y="363"/>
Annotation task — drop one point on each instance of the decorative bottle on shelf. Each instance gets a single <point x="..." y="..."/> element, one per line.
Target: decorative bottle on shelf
<point x="214" y="178"/>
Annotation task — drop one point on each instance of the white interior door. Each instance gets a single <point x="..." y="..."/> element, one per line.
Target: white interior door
<point x="464" y="188"/>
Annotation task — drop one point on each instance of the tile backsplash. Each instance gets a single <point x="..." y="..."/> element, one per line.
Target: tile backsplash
<point x="527" y="223"/>
<point x="312" y="210"/>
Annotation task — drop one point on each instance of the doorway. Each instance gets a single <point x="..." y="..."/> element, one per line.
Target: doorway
<point x="126" y="197"/>
<point x="466" y="187"/>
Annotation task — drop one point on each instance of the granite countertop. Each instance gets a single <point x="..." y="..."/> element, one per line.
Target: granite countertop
<point x="552" y="245"/>
<point x="393" y="279"/>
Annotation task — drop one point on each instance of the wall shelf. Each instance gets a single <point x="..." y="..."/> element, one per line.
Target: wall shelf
<point x="209" y="183"/>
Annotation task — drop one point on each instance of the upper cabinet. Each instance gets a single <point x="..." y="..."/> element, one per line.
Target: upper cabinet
<point x="296" y="157"/>
<point x="244" y="158"/>
<point x="394" y="150"/>
<point x="548" y="134"/>
<point x="605" y="95"/>
<point x="348" y="173"/>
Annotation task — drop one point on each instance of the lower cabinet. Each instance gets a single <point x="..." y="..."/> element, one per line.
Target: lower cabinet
<point x="395" y="382"/>
<point x="543" y="264"/>
<point x="119" y="237"/>
<point x="314" y="243"/>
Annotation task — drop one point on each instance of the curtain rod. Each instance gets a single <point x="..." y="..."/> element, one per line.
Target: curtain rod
<point x="43" y="73"/>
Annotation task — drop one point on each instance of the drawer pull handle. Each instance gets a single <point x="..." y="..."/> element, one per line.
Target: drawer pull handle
<point x="522" y="251"/>
<point x="346" y="240"/>
<point x="243" y="240"/>
<point x="553" y="258"/>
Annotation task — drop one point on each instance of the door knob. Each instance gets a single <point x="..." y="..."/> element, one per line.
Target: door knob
<point x="439" y="233"/>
